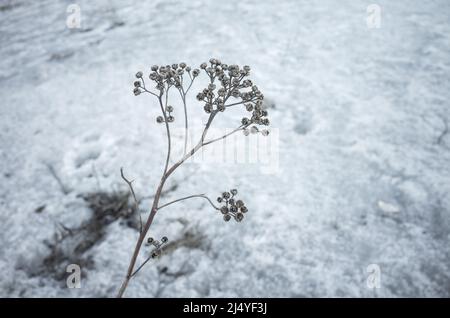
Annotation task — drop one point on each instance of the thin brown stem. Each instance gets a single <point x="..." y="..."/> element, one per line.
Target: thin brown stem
<point x="189" y="197"/>
<point x="226" y="135"/>
<point x="136" y="205"/>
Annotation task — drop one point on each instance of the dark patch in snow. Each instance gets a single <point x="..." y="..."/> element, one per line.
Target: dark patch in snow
<point x="72" y="245"/>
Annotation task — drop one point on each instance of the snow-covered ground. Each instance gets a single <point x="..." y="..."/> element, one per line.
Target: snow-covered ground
<point x="362" y="116"/>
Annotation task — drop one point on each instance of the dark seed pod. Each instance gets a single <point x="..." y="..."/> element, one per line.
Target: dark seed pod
<point x="243" y="209"/>
<point x="207" y="108"/>
<point x="224" y="210"/>
<point x="139" y="74"/>
<point x="164" y="239"/>
<point x="160" y="119"/>
<point x="226" y="195"/>
<point x="239" y="203"/>
<point x="239" y="217"/>
<point x="170" y="119"/>
<point x="219" y="199"/>
<point x="150" y="240"/>
<point x="137" y="84"/>
<point x="226" y="217"/>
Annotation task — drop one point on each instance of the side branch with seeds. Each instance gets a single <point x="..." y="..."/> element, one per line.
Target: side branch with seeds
<point x="228" y="87"/>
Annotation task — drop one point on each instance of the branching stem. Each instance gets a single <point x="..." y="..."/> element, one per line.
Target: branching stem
<point x="189" y="197"/>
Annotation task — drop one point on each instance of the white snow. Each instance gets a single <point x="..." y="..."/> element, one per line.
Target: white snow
<point x="362" y="115"/>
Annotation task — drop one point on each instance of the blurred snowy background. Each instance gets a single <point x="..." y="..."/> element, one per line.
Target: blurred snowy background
<point x="363" y="183"/>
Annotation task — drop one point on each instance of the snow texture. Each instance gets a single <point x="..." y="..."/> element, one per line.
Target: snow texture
<point x="362" y="116"/>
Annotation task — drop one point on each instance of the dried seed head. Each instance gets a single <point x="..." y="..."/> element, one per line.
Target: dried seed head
<point x="254" y="129"/>
<point x="160" y="119"/>
<point x="137" y="84"/>
<point x="226" y="195"/>
<point x="207" y="108"/>
<point x="154" y="68"/>
<point x="195" y="72"/>
<point x="226" y="217"/>
<point x="245" y="121"/>
<point x="219" y="199"/>
<point x="139" y="74"/>
<point x="164" y="239"/>
<point x="182" y="65"/>
<point x="239" y="203"/>
<point x="203" y="65"/>
<point x="265" y="132"/>
<point x="239" y="217"/>
<point x="150" y="240"/>
<point x="243" y="209"/>
<point x="153" y="76"/>
<point x="233" y="191"/>
<point x="136" y="91"/>
<point x="246" y="132"/>
<point x="188" y="68"/>
<point x="224" y="210"/>
<point x="169" y="109"/>
<point x="170" y="119"/>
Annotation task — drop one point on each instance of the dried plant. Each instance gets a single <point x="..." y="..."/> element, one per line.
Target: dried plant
<point x="228" y="87"/>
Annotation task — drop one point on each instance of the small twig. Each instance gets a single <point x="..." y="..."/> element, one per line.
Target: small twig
<point x="136" y="205"/>
<point x="64" y="189"/>
<point x="186" y="124"/>
<point x="189" y="197"/>
<point x="443" y="133"/>
<point x="145" y="262"/>
<point x="239" y="103"/>
<point x="226" y="135"/>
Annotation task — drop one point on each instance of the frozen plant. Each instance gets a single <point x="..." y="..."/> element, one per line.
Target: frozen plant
<point x="228" y="86"/>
